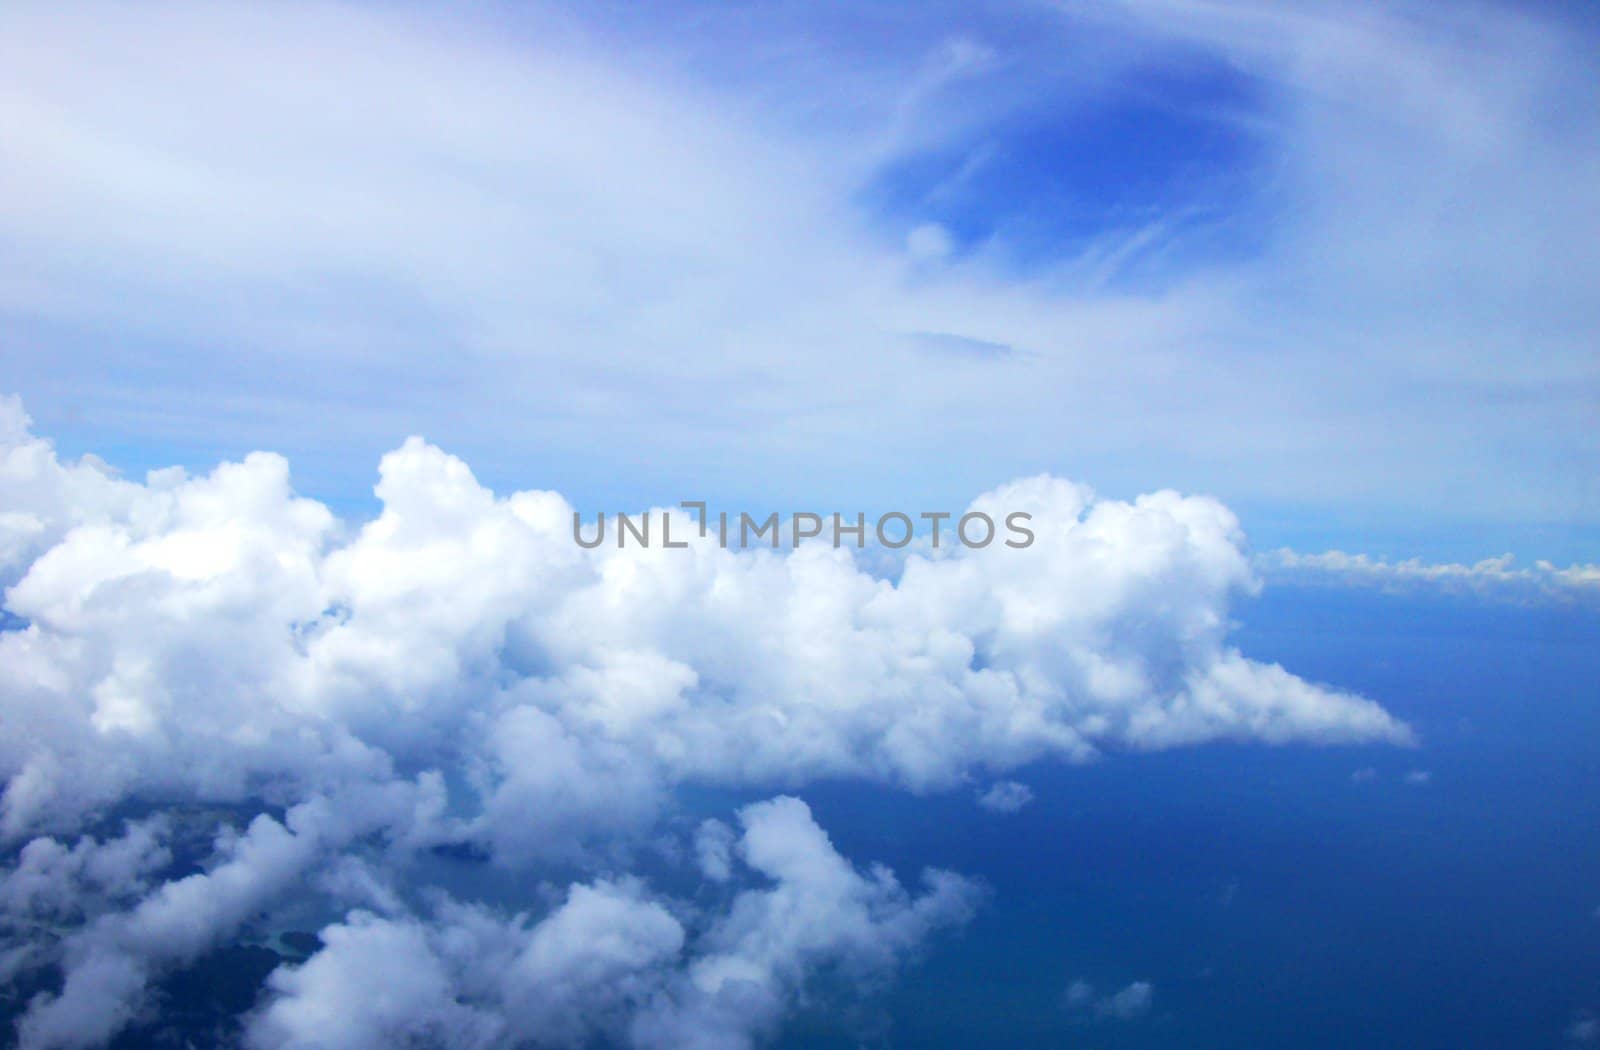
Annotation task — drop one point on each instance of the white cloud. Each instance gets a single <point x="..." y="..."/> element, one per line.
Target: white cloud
<point x="53" y="881"/>
<point x="1491" y="577"/>
<point x="109" y="959"/>
<point x="612" y="962"/>
<point x="459" y="670"/>
<point x="377" y="983"/>
<point x="1005" y="796"/>
<point x="458" y="620"/>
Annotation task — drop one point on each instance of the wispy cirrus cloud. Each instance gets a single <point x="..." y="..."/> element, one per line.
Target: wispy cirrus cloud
<point x="1348" y="249"/>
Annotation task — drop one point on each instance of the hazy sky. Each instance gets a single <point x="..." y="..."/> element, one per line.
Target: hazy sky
<point x="1334" y="266"/>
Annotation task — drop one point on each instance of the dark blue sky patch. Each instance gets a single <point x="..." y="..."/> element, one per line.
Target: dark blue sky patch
<point x="1052" y="178"/>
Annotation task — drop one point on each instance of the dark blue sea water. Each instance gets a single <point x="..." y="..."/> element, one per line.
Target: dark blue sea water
<point x="1271" y="896"/>
<point x="1441" y="896"/>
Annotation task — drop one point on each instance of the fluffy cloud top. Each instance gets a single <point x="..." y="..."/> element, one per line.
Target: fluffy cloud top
<point x="219" y="637"/>
<point x="459" y="670"/>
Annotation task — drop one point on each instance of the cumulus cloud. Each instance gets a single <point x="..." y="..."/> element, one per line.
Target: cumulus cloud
<point x="51" y="880"/>
<point x="221" y="636"/>
<point x="109" y="960"/>
<point x="610" y="961"/>
<point x="1005" y="796"/>
<point x="457" y="671"/>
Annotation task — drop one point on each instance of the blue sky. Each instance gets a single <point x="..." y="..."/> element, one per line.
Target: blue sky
<point x="1332" y="267"/>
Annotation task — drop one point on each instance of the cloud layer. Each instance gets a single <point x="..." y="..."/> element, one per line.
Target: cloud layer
<point x="458" y="672"/>
<point x="1498" y="577"/>
<point x="221" y="636"/>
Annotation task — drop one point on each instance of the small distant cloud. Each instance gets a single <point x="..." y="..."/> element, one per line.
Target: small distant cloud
<point x="1585" y="1030"/>
<point x="1131" y="1002"/>
<point x="1005" y="796"/>
<point x="1498" y="578"/>
<point x="1419" y="776"/>
<point x="1364" y="776"/>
